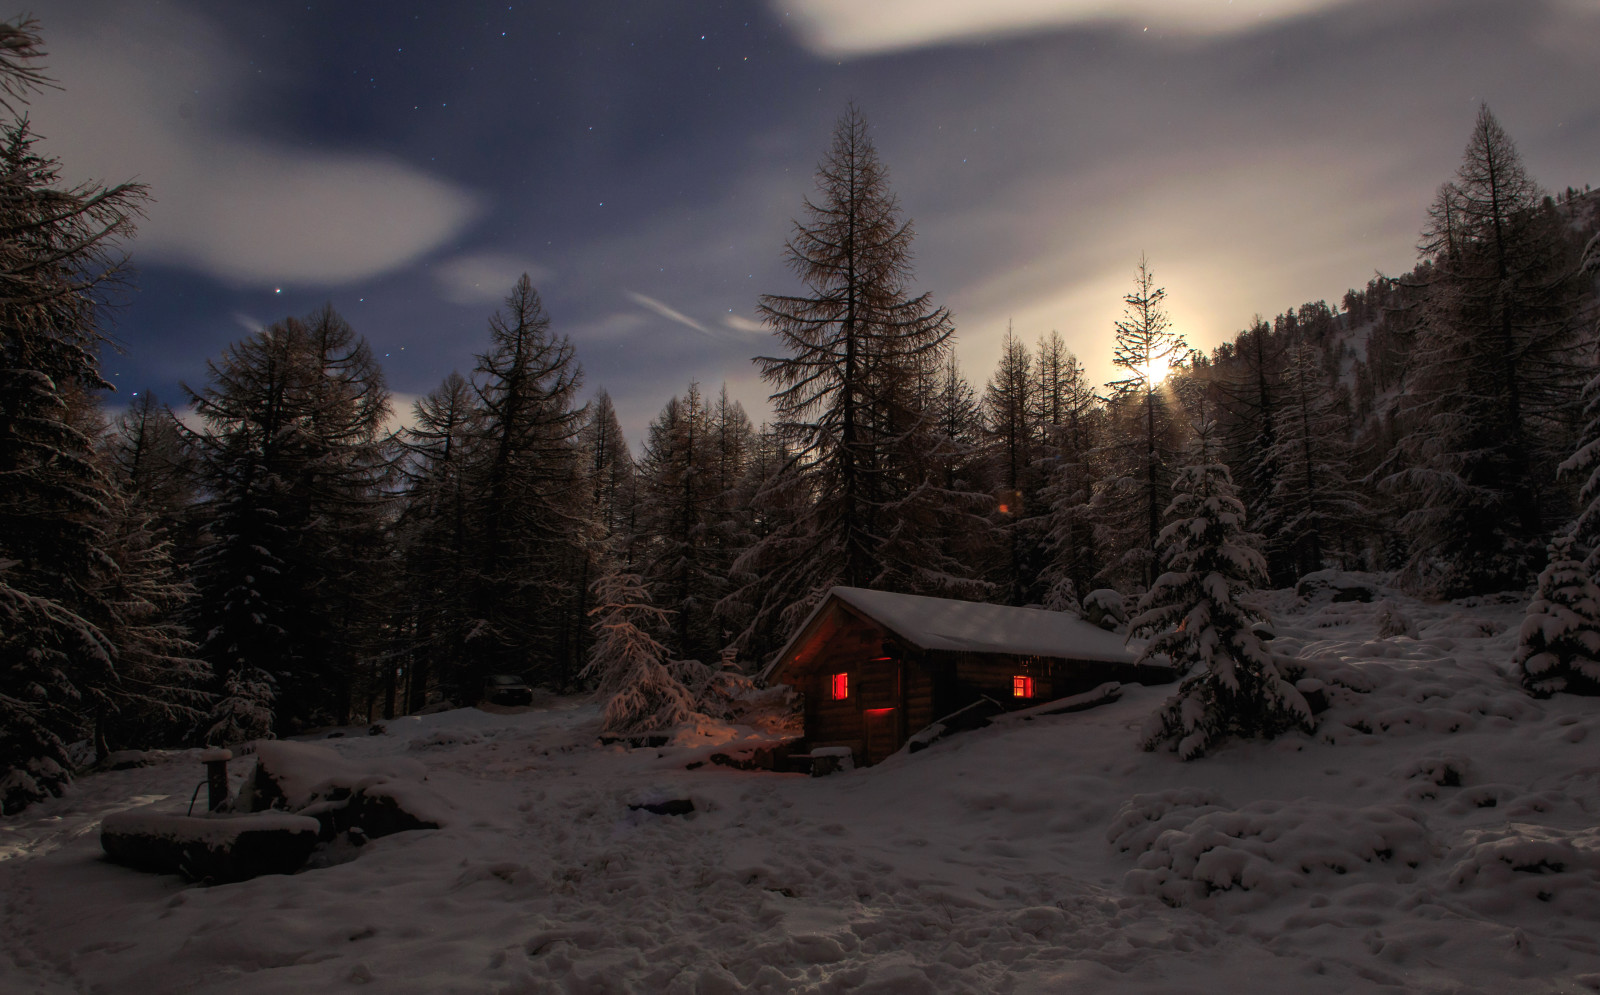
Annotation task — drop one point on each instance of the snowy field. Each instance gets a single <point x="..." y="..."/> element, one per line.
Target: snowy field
<point x="1438" y="834"/>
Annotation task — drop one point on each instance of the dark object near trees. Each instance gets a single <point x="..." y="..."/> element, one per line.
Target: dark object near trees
<point x="507" y="689"/>
<point x="675" y="806"/>
<point x="209" y="848"/>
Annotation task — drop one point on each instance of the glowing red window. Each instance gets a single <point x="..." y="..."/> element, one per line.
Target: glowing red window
<point x="839" y="687"/>
<point x="1022" y="686"/>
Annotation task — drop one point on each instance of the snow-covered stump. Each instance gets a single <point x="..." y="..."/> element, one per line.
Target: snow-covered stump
<point x="1559" y="643"/>
<point x="218" y="849"/>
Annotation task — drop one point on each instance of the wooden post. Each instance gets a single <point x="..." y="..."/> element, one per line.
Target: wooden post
<point x="216" y="761"/>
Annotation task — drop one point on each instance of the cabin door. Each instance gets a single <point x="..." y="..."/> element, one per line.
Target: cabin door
<point x="882" y="732"/>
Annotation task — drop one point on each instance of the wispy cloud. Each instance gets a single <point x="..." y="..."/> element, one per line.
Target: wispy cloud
<point x="484" y="277"/>
<point x="249" y="323"/>
<point x="741" y="324"/>
<point x="668" y="312"/>
<point x="851" y="27"/>
<point x="152" y="95"/>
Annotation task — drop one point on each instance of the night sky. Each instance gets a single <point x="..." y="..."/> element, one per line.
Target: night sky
<point x="643" y="161"/>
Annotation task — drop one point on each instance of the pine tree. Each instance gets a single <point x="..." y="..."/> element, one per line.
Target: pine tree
<point x="850" y="391"/>
<point x="609" y="519"/>
<point x="57" y="256"/>
<point x="1316" y="507"/>
<point x="1249" y="386"/>
<point x="528" y="531"/>
<point x="433" y="535"/>
<point x="1070" y="414"/>
<point x="161" y="690"/>
<point x="1010" y="405"/>
<point x="609" y="468"/>
<point x="1559" y="644"/>
<point x="1493" y="369"/>
<point x="1196" y="616"/>
<point x="678" y="481"/>
<point x="1137" y="458"/>
<point x="293" y="457"/>
<point x="644" y="691"/>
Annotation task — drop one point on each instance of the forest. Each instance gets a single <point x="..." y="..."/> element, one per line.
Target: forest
<point x="280" y="559"/>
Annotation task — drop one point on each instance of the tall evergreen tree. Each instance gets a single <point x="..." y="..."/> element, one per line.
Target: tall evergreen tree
<point x="434" y="539"/>
<point x="294" y="460"/>
<point x="1493" y="371"/>
<point x="677" y="485"/>
<point x="858" y="347"/>
<point x="1137" y="458"/>
<point x="527" y="514"/>
<point x="1071" y="416"/>
<point x="59" y="664"/>
<point x="1315" y="506"/>
<point x="1009" y="405"/>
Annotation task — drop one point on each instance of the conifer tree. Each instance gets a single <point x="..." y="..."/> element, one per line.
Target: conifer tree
<point x="58" y="253"/>
<point x="644" y="691"/>
<point x="849" y="391"/>
<point x="1559" y="644"/>
<point x="609" y="468"/>
<point x="678" y="480"/>
<point x="1070" y="414"/>
<point x="293" y="457"/>
<point x="1195" y="615"/>
<point x="1010" y="407"/>
<point x="161" y="690"/>
<point x="1493" y="369"/>
<point x="1137" y="457"/>
<point x="434" y="540"/>
<point x="1316" y="507"/>
<point x="527" y="508"/>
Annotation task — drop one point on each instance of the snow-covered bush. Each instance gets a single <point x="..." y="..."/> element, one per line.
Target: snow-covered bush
<point x="1559" y="645"/>
<point x="1191" y="846"/>
<point x="1063" y="597"/>
<point x="244" y="710"/>
<point x="1394" y="622"/>
<point x="644" y="691"/>
<point x="1195" y="616"/>
<point x="1105" y="608"/>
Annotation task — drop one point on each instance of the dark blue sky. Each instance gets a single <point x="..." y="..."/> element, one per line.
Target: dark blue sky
<point x="643" y="161"/>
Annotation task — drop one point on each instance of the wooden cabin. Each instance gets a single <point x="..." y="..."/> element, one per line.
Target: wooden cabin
<point x="875" y="668"/>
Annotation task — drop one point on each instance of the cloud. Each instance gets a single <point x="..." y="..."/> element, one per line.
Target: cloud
<point x="153" y="96"/>
<point x="851" y="27"/>
<point x="667" y="312"/>
<point x="484" y="277"/>
<point x="249" y="323"/>
<point x="740" y="324"/>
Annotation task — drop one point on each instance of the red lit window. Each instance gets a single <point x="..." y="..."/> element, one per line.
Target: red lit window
<point x="1022" y="686"/>
<point x="839" y="687"/>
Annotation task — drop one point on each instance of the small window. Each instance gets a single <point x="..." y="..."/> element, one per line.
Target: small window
<point x="839" y="687"/>
<point x="1022" y="686"/>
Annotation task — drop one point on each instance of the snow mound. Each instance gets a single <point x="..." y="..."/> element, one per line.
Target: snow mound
<point x="1522" y="864"/>
<point x="293" y="775"/>
<point x="1191" y="846"/>
<point x="441" y="738"/>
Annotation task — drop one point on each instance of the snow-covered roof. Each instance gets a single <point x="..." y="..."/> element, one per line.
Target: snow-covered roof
<point x="975" y="627"/>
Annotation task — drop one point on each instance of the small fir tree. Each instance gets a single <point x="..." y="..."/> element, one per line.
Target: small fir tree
<point x="644" y="691"/>
<point x="1195" y="615"/>
<point x="1559" y="645"/>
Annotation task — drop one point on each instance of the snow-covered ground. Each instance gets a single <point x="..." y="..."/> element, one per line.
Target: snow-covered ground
<point x="1438" y="834"/>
